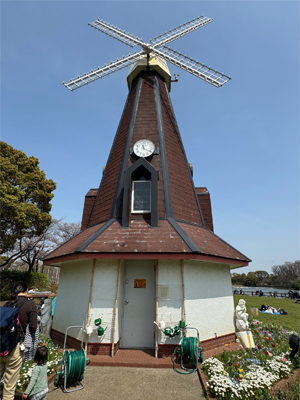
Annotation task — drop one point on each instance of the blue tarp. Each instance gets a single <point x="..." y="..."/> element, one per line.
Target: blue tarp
<point x="53" y="305"/>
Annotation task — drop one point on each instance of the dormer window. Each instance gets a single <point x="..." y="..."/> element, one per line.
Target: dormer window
<point x="141" y="197"/>
<point x="140" y="183"/>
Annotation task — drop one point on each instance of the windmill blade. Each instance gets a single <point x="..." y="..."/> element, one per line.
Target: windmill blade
<point x="180" y="31"/>
<point x="99" y="73"/>
<point x="117" y="33"/>
<point x="194" y="67"/>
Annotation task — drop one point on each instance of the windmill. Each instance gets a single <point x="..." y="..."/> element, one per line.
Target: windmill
<point x="147" y="245"/>
<point x="156" y="47"/>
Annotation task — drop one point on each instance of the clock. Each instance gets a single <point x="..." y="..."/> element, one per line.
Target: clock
<point x="143" y="148"/>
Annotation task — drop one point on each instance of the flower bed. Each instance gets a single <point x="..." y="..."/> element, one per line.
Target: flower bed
<point x="54" y="358"/>
<point x="250" y="373"/>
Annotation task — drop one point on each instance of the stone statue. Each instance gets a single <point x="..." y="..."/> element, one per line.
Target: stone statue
<point x="46" y="317"/>
<point x="241" y="322"/>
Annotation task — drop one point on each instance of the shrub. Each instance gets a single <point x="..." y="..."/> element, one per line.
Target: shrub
<point x="296" y="284"/>
<point x="34" y="280"/>
<point x="53" y="287"/>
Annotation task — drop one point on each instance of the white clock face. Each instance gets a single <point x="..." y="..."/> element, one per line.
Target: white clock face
<point x="143" y="148"/>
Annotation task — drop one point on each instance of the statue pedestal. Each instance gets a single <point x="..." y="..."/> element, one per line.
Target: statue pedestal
<point x="246" y="339"/>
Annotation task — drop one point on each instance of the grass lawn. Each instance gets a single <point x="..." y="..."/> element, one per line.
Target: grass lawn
<point x="290" y="321"/>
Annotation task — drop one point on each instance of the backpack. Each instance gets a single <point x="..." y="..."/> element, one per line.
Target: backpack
<point x="9" y="323"/>
<point x="283" y="312"/>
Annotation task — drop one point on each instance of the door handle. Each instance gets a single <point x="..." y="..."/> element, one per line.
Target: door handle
<point x="126" y="301"/>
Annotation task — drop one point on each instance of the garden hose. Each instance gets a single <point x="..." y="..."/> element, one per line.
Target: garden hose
<point x="189" y="349"/>
<point x="188" y="352"/>
<point x="74" y="365"/>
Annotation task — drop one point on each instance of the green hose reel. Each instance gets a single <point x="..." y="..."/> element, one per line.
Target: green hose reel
<point x="73" y="370"/>
<point x="190" y="352"/>
<point x="73" y="366"/>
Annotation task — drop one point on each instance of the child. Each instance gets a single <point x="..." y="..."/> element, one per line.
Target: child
<point x="38" y="385"/>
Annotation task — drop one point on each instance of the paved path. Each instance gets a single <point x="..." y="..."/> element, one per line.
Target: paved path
<point x="121" y="383"/>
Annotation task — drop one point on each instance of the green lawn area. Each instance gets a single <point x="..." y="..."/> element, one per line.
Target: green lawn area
<point x="290" y="321"/>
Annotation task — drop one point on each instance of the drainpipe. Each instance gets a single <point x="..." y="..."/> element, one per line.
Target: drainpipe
<point x="115" y="311"/>
<point x="156" y="318"/>
<point x="183" y="293"/>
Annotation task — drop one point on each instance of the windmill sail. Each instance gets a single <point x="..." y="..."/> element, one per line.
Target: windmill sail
<point x="157" y="47"/>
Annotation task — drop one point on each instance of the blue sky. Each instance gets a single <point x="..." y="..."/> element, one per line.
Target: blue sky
<point x="242" y="138"/>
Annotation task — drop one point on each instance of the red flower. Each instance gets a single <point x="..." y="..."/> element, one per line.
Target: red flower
<point x="236" y="364"/>
<point x="239" y="380"/>
<point x="259" y="347"/>
<point x="230" y="364"/>
<point x="265" y="352"/>
<point x="273" y="345"/>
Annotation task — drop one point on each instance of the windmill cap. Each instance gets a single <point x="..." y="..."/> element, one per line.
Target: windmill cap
<point x="155" y="64"/>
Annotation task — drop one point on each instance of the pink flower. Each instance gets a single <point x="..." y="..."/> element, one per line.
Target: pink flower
<point x="284" y="359"/>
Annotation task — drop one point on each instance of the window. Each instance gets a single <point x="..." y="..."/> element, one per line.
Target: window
<point x="141" y="197"/>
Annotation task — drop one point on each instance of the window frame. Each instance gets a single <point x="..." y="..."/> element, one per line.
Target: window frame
<point x="132" y="197"/>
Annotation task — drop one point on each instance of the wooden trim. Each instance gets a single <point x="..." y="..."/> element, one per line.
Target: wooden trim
<point x="115" y="311"/>
<point x="183" y="291"/>
<point x="146" y="256"/>
<point x="156" y="310"/>
<point x="162" y="150"/>
<point x="90" y="301"/>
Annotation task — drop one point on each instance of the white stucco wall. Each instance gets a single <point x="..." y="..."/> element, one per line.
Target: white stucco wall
<point x="72" y="296"/>
<point x="103" y="299"/>
<point x="120" y="305"/>
<point x="208" y="297"/>
<point x="169" y="297"/>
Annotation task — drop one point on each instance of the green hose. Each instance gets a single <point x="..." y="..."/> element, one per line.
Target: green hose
<point x="75" y="365"/>
<point x="188" y="351"/>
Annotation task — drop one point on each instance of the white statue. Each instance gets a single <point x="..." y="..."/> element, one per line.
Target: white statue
<point x="241" y="322"/>
<point x="46" y="317"/>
